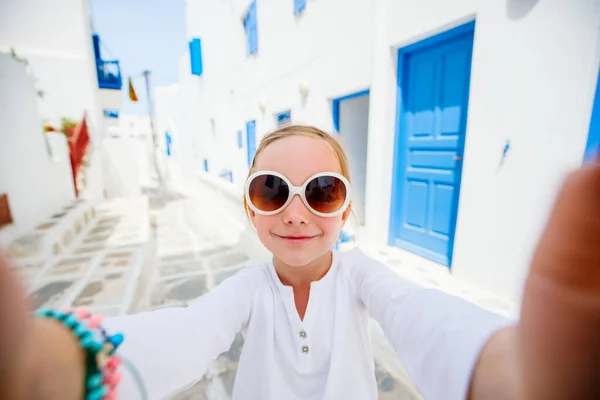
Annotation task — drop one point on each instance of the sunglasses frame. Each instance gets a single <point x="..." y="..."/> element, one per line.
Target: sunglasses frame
<point x="300" y="191"/>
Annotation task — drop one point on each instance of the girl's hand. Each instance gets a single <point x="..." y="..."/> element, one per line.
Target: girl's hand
<point x="554" y="351"/>
<point x="39" y="359"/>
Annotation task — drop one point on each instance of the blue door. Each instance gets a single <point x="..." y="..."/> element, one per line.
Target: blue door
<point x="251" y="140"/>
<point x="433" y="94"/>
<point x="592" y="150"/>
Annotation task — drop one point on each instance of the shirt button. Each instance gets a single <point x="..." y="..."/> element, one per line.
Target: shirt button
<point x="303" y="334"/>
<point x="304" y="349"/>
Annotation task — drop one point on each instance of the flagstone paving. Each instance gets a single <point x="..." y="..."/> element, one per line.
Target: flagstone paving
<point x="166" y="250"/>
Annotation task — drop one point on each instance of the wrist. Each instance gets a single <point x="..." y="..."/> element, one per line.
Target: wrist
<point x="55" y="366"/>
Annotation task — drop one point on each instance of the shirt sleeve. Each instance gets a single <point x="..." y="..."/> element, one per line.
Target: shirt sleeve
<point x="172" y="348"/>
<point x="437" y="336"/>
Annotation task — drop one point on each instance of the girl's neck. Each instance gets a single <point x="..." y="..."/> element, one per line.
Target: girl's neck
<point x="304" y="275"/>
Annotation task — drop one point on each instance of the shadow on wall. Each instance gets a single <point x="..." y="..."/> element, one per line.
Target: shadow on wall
<point x="518" y="9"/>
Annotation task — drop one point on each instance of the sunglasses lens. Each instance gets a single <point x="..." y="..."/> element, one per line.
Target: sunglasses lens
<point x="268" y="192"/>
<point x="326" y="194"/>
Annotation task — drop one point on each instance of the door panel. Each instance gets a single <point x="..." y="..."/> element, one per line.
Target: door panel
<point x="435" y="87"/>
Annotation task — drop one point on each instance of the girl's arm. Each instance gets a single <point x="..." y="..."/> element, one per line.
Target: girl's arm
<point x="438" y="337"/>
<point x="173" y="347"/>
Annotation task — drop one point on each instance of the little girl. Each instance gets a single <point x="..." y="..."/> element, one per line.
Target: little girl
<point x="305" y="315"/>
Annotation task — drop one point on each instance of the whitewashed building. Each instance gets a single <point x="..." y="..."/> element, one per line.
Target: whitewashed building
<point x="52" y="68"/>
<point x="461" y="117"/>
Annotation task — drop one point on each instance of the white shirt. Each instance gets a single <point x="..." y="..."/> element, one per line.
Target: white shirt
<point x="437" y="336"/>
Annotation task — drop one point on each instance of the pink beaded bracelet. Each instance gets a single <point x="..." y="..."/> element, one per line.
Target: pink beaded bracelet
<point x="102" y="363"/>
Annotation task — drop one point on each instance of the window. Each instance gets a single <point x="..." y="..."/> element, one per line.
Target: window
<point x="251" y="29"/>
<point x="206" y="165"/>
<point x="299" y="6"/>
<point x="227" y="175"/>
<point x="240" y="142"/>
<point x="196" y="56"/>
<point x="213" y="127"/>
<point x="284" y="118"/>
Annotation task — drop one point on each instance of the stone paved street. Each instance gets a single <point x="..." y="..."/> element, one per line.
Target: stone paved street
<point x="161" y="251"/>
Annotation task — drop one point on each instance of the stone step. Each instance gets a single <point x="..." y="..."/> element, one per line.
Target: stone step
<point x="52" y="237"/>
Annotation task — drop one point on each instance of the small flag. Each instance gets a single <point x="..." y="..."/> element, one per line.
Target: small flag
<point x="132" y="95"/>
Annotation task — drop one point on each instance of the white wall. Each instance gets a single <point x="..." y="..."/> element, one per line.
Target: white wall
<point x="354" y="130"/>
<point x="534" y="69"/>
<point x="330" y="55"/>
<point x="121" y="167"/>
<point x="38" y="184"/>
<point x="541" y="102"/>
<point x="55" y="37"/>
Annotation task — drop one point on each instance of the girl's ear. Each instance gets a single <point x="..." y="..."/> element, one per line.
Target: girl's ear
<point x="252" y="215"/>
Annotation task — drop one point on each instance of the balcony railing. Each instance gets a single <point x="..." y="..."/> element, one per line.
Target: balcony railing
<point x="109" y="74"/>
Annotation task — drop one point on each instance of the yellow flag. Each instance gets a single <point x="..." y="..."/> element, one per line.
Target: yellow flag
<point x="132" y="94"/>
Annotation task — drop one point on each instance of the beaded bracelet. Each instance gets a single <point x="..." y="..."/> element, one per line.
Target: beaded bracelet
<point x="101" y="375"/>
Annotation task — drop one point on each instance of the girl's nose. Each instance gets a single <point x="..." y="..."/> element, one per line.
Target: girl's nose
<point x="296" y="212"/>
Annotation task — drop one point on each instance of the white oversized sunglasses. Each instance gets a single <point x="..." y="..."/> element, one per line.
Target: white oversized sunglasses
<point x="326" y="194"/>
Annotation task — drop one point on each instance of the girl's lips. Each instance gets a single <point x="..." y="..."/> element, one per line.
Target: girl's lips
<point x="296" y="239"/>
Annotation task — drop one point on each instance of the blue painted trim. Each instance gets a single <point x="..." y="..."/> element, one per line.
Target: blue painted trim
<point x="400" y="144"/>
<point x="251" y="29"/>
<point x="96" y="42"/>
<point x="284" y="117"/>
<point x="196" y="56"/>
<point x="114" y="114"/>
<point x="205" y="165"/>
<point x="168" y="141"/>
<point x="109" y="74"/>
<point x="240" y="141"/>
<point x="335" y="111"/>
<point x="299" y="6"/>
<point x="465" y="29"/>
<point x="592" y="149"/>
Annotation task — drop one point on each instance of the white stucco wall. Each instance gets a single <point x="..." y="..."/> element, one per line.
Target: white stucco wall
<point x="38" y="184"/>
<point x="533" y="82"/>
<point x="329" y="55"/>
<point x="56" y="38"/>
<point x="534" y="70"/>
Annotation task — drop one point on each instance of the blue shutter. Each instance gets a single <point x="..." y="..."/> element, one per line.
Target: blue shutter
<point x="250" y="26"/>
<point x="284" y="118"/>
<point x="299" y="5"/>
<point x="196" y="56"/>
<point x="239" y="140"/>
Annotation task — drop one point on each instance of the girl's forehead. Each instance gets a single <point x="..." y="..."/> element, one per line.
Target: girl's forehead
<point x="298" y="158"/>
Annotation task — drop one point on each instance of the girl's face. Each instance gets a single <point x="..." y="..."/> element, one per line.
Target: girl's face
<point x="295" y="235"/>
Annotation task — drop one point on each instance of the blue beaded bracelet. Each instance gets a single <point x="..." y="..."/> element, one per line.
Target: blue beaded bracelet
<point x="101" y="375"/>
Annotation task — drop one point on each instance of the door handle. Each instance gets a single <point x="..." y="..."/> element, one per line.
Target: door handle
<point x="457" y="158"/>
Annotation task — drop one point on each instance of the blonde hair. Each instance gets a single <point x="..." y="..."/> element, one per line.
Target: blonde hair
<point x="301" y="130"/>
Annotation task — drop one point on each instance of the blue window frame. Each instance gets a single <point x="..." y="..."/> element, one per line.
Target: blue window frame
<point x="284" y="118"/>
<point x="299" y="6"/>
<point x="251" y="140"/>
<point x="205" y="165"/>
<point x="196" y="56"/>
<point x="240" y="142"/>
<point x="227" y="175"/>
<point x="113" y="114"/>
<point x="592" y="150"/>
<point x="169" y="142"/>
<point x="250" y="27"/>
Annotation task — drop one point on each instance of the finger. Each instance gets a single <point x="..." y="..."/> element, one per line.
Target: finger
<point x="559" y="332"/>
<point x="13" y="319"/>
